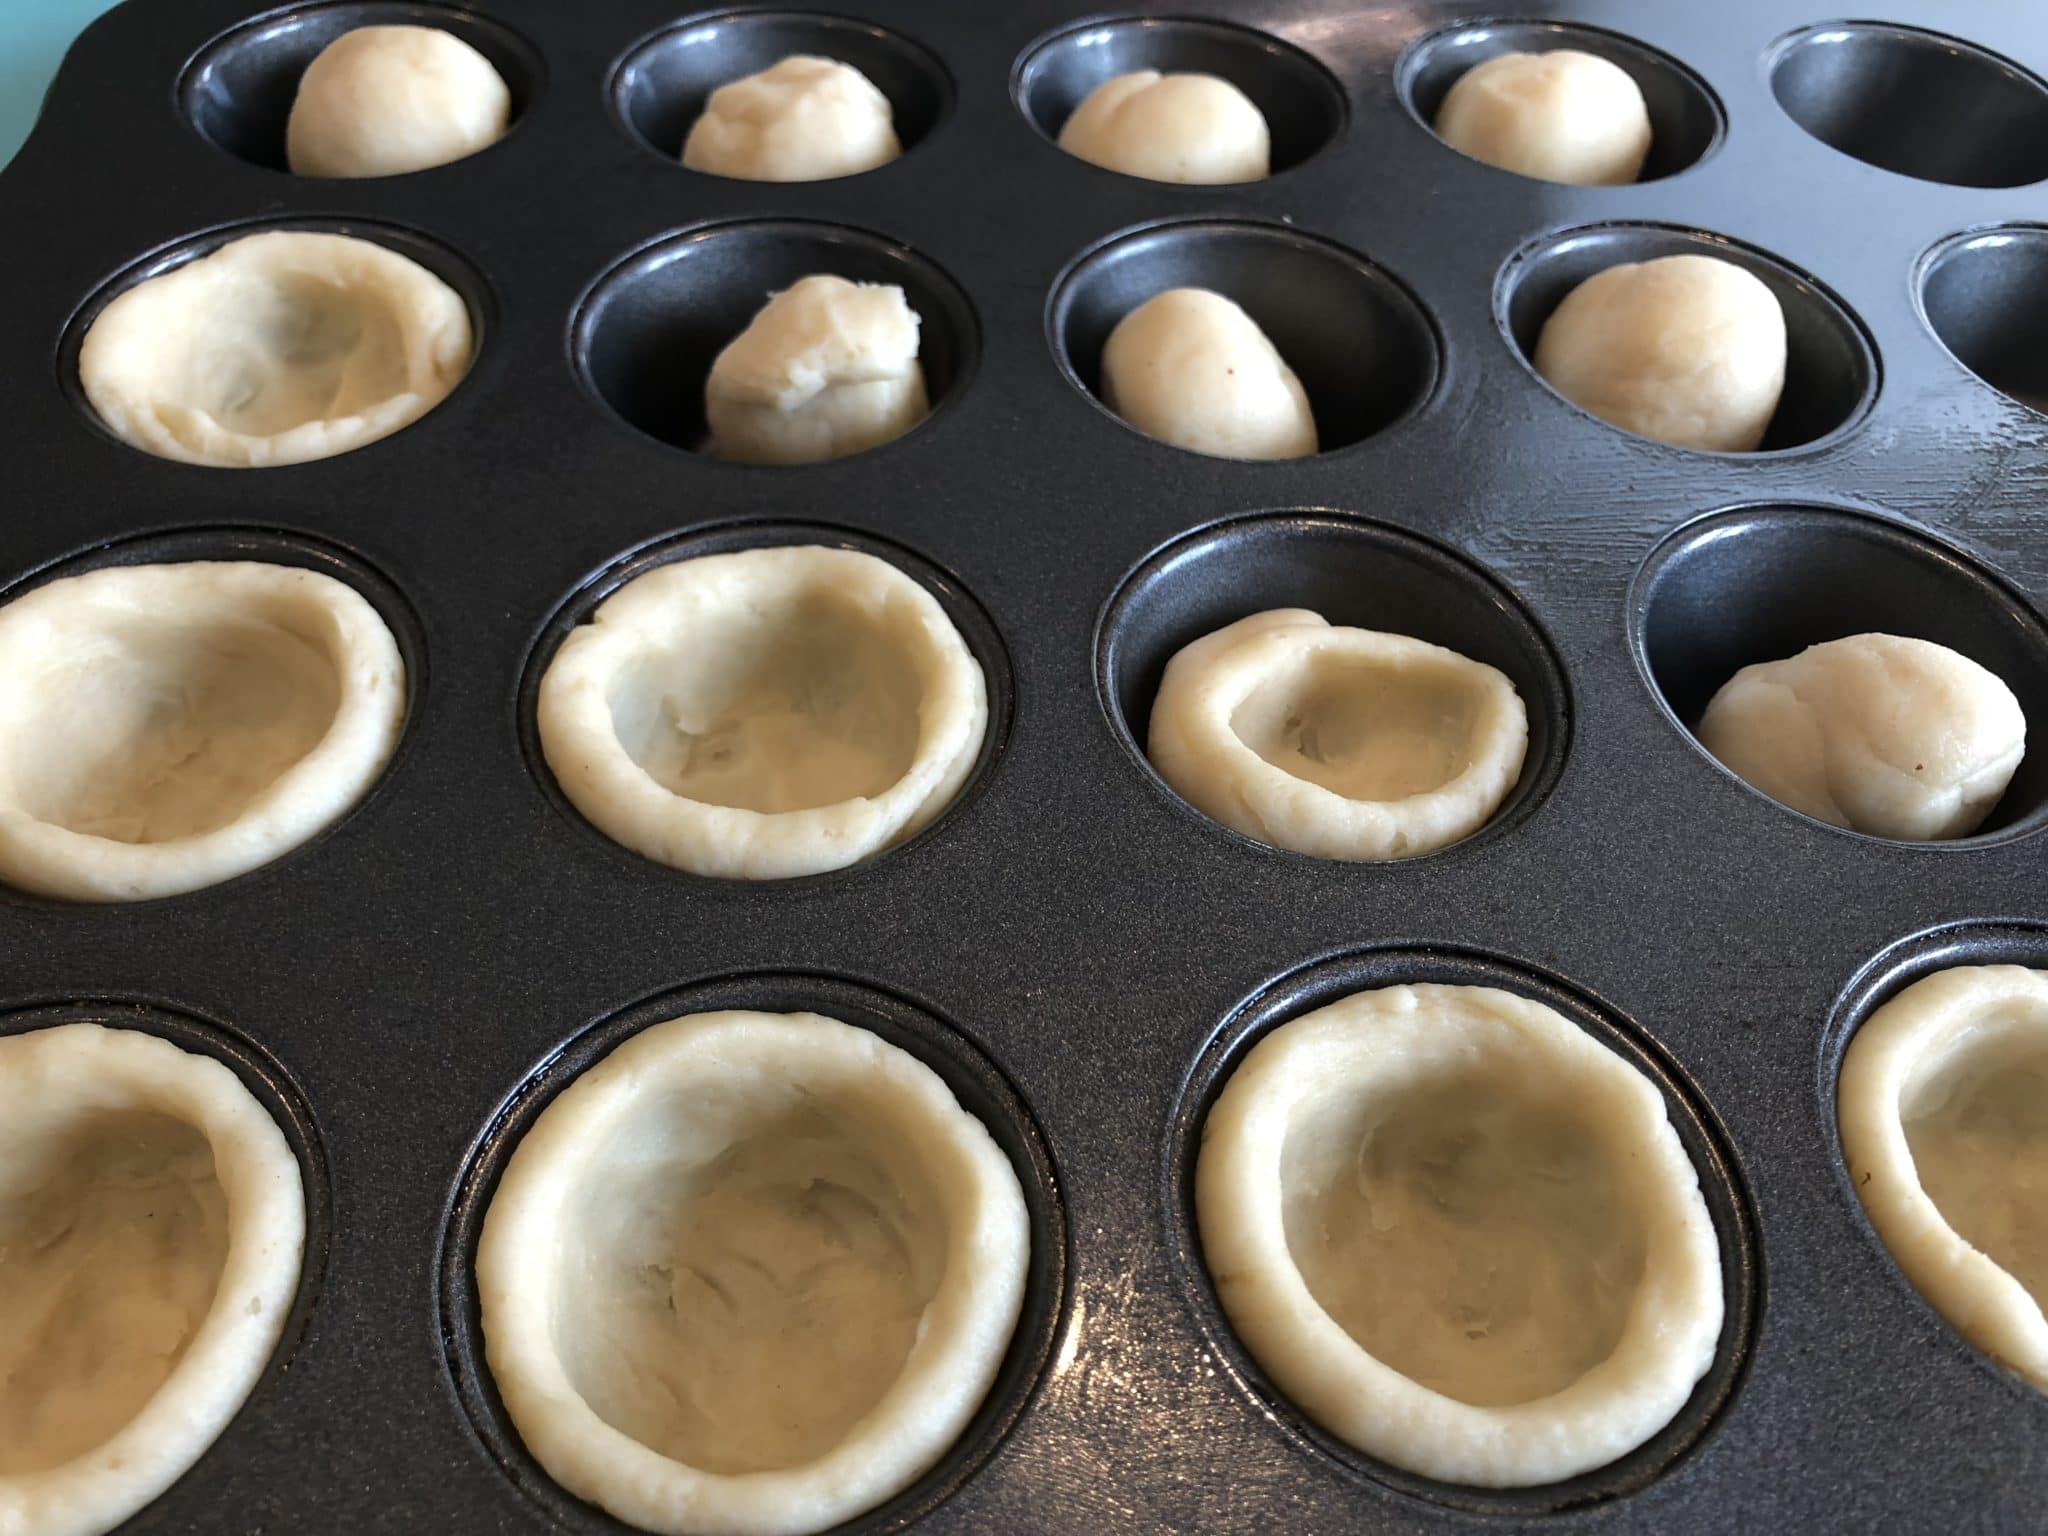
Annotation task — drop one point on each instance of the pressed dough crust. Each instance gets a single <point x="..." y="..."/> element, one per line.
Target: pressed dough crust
<point x="1344" y="743"/>
<point x="827" y="368"/>
<point x="166" y="727"/>
<point x="1562" y="116"/>
<point x="803" y="119"/>
<point x="1460" y="1233"/>
<point x="384" y="101"/>
<point x="1943" y="1109"/>
<point x="1687" y="350"/>
<point x="1887" y="735"/>
<point x="763" y="714"/>
<point x="275" y="349"/>
<point x="151" y="1226"/>
<point x="1187" y="128"/>
<point x="1191" y="368"/>
<point x="752" y="1273"/>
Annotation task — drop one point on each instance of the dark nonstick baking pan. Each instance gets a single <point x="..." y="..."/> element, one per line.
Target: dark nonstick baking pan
<point x="1082" y="955"/>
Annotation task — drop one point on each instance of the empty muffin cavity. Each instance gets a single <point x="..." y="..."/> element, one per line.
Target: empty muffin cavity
<point x="1984" y="294"/>
<point x="1302" y="105"/>
<point x="1685" y="117"/>
<point x="1350" y="336"/>
<point x="176" y="725"/>
<point x="151" y="1226"/>
<point x="272" y="348"/>
<point x="1917" y="103"/>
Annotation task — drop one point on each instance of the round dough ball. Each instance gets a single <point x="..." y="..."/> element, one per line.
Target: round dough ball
<point x="827" y="368"/>
<point x="1460" y="1234"/>
<point x="277" y="348"/>
<point x="1344" y="743"/>
<point x="1689" y="350"/>
<point x="152" y="1222"/>
<point x="1194" y="129"/>
<point x="752" y="1273"/>
<point x="804" y="119"/>
<point x="1943" y="1109"/>
<point x="382" y="101"/>
<point x="1191" y="368"/>
<point x="1559" y="116"/>
<point x="167" y="727"/>
<point x="764" y="714"/>
<point x="1886" y="735"/>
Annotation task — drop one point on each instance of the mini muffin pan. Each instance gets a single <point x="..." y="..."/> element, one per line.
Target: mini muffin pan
<point x="1079" y="953"/>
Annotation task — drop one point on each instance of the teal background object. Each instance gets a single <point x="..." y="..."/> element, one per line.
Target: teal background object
<point x="33" y="37"/>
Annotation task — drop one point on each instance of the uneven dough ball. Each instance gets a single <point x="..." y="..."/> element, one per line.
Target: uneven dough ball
<point x="1191" y="368"/>
<point x="804" y="119"/>
<point x="1943" y="1109"/>
<point x="1344" y="743"/>
<point x="1194" y="129"/>
<point x="1560" y="116"/>
<point x="827" y="368"/>
<point x="381" y="101"/>
<point x="1460" y="1233"/>
<point x="277" y="348"/>
<point x="1883" y="734"/>
<point x="1689" y="350"/>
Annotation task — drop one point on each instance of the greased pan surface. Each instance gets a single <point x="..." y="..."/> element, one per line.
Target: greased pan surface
<point x="1080" y="953"/>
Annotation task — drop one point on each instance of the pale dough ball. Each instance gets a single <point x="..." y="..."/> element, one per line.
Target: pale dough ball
<point x="1943" y="1109"/>
<point x="1191" y="368"/>
<point x="381" y="101"/>
<point x="1560" y="116"/>
<point x="1460" y="1234"/>
<point x="804" y="119"/>
<point x="1194" y="129"/>
<point x="1688" y="350"/>
<point x="827" y="368"/>
<point x="1344" y="743"/>
<point x="752" y="1273"/>
<point x="152" y="1222"/>
<point x="1886" y="735"/>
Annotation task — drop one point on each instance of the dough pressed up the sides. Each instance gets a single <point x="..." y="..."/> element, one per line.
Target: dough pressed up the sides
<point x="1191" y="368"/>
<point x="1343" y="743"/>
<point x="1564" y="116"/>
<point x="151" y="1225"/>
<point x="1460" y="1234"/>
<point x="803" y="119"/>
<point x="1187" y="128"/>
<point x="384" y="101"/>
<point x="750" y="1275"/>
<point x="1943" y="1109"/>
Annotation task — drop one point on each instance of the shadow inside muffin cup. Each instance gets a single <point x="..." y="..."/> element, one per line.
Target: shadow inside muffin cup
<point x="1730" y="1206"/>
<point x="1916" y="103"/>
<point x="1685" y="119"/>
<point x="660" y="87"/>
<point x="1831" y="369"/>
<point x="647" y="332"/>
<point x="237" y="91"/>
<point x="1984" y="294"/>
<point x="1762" y="583"/>
<point x="1302" y="104"/>
<point x="977" y="1082"/>
<point x="1353" y="572"/>
<point x="1362" y="346"/>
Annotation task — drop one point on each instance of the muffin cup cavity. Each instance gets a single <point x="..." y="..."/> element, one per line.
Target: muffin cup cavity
<point x="1729" y="1205"/>
<point x="647" y="332"/>
<point x="1685" y="118"/>
<point x="1831" y="369"/>
<point x="1984" y="294"/>
<point x="659" y="88"/>
<point x="1354" y="573"/>
<point x="980" y="1088"/>
<point x="1917" y="103"/>
<point x="237" y="91"/>
<point x="1363" y="347"/>
<point x="1301" y="101"/>
<point x="1762" y="583"/>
